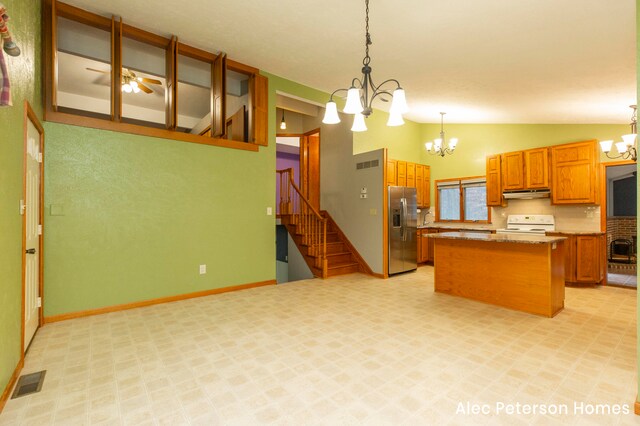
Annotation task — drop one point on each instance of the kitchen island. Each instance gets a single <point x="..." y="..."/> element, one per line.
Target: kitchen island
<point x="520" y="272"/>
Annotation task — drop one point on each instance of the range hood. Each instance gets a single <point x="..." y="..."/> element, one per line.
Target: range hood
<point x="526" y="194"/>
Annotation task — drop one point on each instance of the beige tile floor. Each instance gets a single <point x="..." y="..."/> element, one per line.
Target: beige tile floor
<point x="627" y="280"/>
<point x="346" y="351"/>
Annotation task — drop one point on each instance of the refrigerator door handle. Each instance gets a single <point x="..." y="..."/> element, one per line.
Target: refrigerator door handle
<point x="403" y="203"/>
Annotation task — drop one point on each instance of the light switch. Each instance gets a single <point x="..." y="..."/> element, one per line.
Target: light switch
<point x="373" y="212"/>
<point x="269" y="211"/>
<point x="203" y="269"/>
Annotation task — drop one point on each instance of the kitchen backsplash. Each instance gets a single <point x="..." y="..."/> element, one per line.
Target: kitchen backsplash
<point x="568" y="218"/>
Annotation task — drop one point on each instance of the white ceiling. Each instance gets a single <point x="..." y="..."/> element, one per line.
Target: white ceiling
<point x="481" y="61"/>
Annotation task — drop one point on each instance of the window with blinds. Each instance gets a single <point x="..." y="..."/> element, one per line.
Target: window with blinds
<point x="462" y="200"/>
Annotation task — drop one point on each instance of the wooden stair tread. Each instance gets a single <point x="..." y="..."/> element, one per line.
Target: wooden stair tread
<point x="342" y="265"/>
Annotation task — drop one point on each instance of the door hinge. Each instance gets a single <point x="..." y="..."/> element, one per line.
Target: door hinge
<point x="39" y="302"/>
<point x="39" y="229"/>
<point x="23" y="207"/>
<point x="39" y="157"/>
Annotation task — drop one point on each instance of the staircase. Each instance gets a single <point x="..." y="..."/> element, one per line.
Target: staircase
<point x="322" y="244"/>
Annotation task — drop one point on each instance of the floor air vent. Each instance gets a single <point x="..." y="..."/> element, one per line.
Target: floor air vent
<point x="28" y="384"/>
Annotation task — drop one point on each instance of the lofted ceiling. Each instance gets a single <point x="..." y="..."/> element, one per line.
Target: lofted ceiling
<point x="481" y="61"/>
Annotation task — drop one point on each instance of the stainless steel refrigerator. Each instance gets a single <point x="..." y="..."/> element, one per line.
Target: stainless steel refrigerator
<point x="403" y="223"/>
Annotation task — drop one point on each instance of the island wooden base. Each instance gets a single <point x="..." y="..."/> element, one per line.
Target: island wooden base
<point x="524" y="277"/>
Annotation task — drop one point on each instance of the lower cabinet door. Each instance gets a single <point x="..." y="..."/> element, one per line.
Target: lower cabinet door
<point x="588" y="258"/>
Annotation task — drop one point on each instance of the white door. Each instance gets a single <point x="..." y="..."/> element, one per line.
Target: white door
<point x="32" y="235"/>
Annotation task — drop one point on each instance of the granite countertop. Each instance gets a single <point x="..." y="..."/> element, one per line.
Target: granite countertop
<point x="454" y="226"/>
<point x="498" y="238"/>
<point x="578" y="232"/>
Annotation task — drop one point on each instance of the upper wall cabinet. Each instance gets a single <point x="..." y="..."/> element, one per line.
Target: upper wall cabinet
<point x="525" y="169"/>
<point x="536" y="163"/>
<point x="494" y="181"/>
<point x="404" y="173"/>
<point x="570" y="171"/>
<point x="513" y="170"/>
<point x="574" y="174"/>
<point x="103" y="73"/>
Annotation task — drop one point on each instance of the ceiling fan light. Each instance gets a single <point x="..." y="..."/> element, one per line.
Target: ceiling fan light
<point x="354" y="105"/>
<point x="331" y="113"/>
<point x="136" y="89"/>
<point x="621" y="147"/>
<point x="395" y="119"/>
<point x="358" y="123"/>
<point x="399" y="102"/>
<point x="127" y="88"/>
<point x="606" y="146"/>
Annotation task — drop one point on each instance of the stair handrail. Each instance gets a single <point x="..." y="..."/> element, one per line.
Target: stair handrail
<point x="313" y="235"/>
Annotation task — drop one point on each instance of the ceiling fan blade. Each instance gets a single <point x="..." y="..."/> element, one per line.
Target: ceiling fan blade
<point x="95" y="70"/>
<point x="144" y="88"/>
<point x="150" y="80"/>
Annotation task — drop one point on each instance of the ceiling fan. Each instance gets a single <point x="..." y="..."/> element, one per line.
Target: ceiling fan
<point x="131" y="82"/>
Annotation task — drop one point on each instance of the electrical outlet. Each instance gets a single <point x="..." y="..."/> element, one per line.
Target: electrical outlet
<point x="373" y="212"/>
<point x="363" y="195"/>
<point x="363" y="190"/>
<point x="203" y="269"/>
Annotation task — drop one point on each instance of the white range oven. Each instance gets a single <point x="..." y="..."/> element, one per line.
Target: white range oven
<point x="528" y="224"/>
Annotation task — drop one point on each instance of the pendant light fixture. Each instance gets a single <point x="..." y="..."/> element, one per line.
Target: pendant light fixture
<point x="283" y="124"/>
<point x="436" y="147"/>
<point x="627" y="148"/>
<point x="363" y="91"/>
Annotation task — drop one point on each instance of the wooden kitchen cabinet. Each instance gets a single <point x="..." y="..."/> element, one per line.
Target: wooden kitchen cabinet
<point x="426" y="188"/>
<point x="430" y="244"/>
<point x="574" y="173"/>
<point x="584" y="256"/>
<point x="513" y="170"/>
<point x="494" y="181"/>
<point x="392" y="172"/>
<point x="525" y="169"/>
<point x="401" y="173"/>
<point x="423" y="246"/>
<point x="405" y="173"/>
<point x="419" y="184"/>
<point x="588" y="252"/>
<point x="411" y="175"/>
<point x="536" y="168"/>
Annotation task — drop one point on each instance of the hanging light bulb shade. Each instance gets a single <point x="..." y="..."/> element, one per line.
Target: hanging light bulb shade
<point x="363" y="91"/>
<point x="331" y="114"/>
<point x="283" y="124"/>
<point x="627" y="149"/>
<point x="358" y="123"/>
<point x="437" y="147"/>
<point x="395" y="119"/>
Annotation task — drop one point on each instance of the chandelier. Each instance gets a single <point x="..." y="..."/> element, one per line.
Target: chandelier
<point x="363" y="91"/>
<point x="627" y="148"/>
<point x="436" y="147"/>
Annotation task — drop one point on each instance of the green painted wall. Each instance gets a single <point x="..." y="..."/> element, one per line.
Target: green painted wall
<point x="140" y="214"/>
<point x="25" y="80"/>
